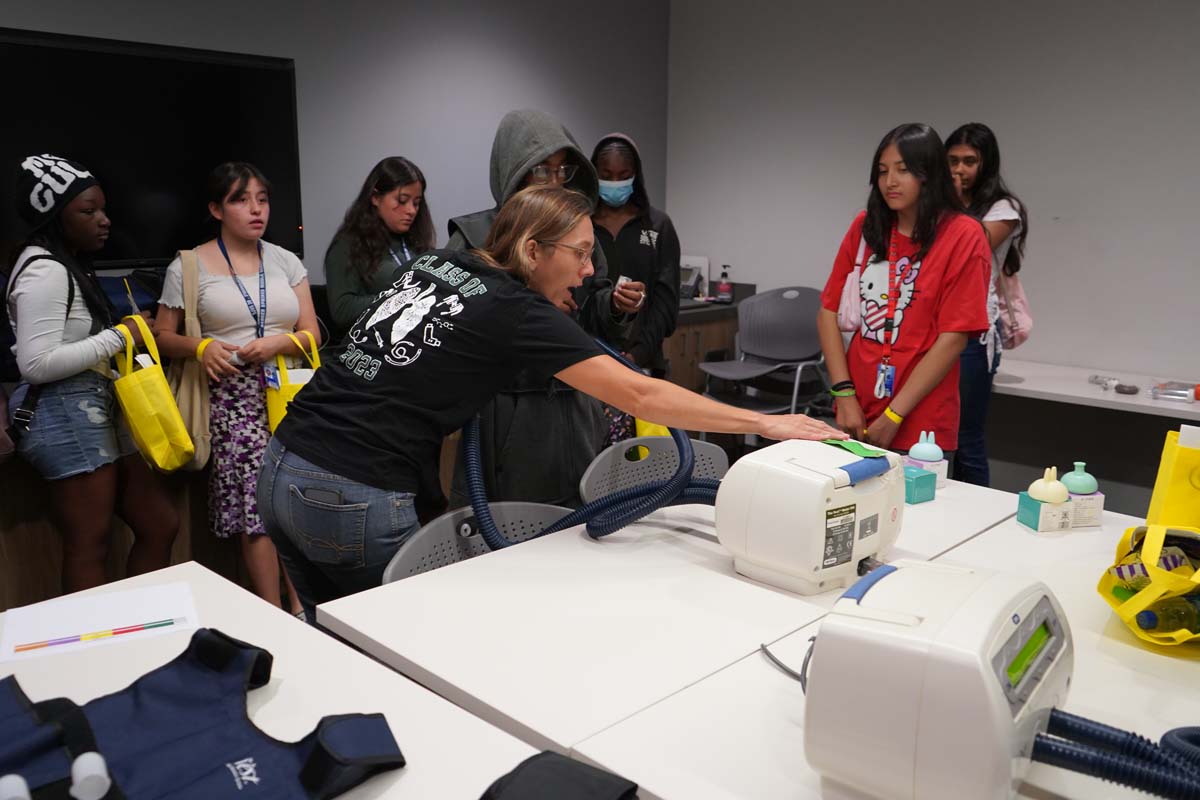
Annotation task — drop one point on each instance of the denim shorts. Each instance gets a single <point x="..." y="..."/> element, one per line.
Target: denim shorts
<point x="77" y="426"/>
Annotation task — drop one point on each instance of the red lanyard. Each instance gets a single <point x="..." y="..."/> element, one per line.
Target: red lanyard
<point x="893" y="298"/>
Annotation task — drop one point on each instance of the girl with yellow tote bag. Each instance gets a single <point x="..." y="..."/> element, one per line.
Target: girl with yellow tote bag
<point x="149" y="406"/>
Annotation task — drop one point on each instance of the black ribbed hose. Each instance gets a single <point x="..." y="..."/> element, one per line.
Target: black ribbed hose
<point x="1126" y="743"/>
<point x="1144" y="776"/>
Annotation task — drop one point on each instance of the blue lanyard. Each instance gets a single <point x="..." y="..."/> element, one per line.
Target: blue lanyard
<point x="260" y="315"/>
<point x="396" y="258"/>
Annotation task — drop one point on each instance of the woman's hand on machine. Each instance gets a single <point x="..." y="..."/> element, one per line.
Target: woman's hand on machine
<point x="796" y="426"/>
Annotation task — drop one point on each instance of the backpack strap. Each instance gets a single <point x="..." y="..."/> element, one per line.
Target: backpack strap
<point x="23" y="415"/>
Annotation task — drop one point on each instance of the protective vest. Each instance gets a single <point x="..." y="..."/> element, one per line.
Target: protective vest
<point x="181" y="732"/>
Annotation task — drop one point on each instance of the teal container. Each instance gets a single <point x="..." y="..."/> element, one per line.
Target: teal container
<point x="1080" y="482"/>
<point x="919" y="485"/>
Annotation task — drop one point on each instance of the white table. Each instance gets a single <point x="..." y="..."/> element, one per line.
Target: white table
<point x="449" y="752"/>
<point x="958" y="512"/>
<point x="740" y="732"/>
<point x="1070" y="385"/>
<point x="563" y="636"/>
<point x="560" y="637"/>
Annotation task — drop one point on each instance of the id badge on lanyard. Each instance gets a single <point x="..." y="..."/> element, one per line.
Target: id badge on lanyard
<point x="885" y="373"/>
<point x="259" y="315"/>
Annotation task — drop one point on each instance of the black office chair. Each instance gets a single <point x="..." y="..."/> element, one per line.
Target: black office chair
<point x="777" y="342"/>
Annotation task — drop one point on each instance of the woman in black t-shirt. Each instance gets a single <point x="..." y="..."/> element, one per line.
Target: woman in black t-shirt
<point x="357" y="454"/>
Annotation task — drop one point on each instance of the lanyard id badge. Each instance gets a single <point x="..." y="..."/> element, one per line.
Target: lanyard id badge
<point x="885" y="374"/>
<point x="885" y="381"/>
<point x="259" y="315"/>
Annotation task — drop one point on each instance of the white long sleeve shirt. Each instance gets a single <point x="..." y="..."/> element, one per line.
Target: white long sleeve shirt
<point x="53" y="344"/>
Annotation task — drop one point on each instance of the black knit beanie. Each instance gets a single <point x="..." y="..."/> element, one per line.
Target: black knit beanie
<point x="45" y="184"/>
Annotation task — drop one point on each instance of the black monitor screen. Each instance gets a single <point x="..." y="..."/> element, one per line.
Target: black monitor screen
<point x="150" y="122"/>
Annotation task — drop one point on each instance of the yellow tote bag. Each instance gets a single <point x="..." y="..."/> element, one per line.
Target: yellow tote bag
<point x="149" y="406"/>
<point x="283" y="384"/>
<point x="643" y="428"/>
<point x="1176" y="498"/>
<point x="1163" y="583"/>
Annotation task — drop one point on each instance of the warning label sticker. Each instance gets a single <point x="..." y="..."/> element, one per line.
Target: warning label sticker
<point x="839" y="536"/>
<point x="868" y="526"/>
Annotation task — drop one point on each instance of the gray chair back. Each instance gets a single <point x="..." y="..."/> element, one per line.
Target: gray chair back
<point x="780" y="325"/>
<point x="454" y="536"/>
<point x="613" y="470"/>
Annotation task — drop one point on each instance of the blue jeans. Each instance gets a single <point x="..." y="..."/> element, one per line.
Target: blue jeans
<point x="334" y="535"/>
<point x="77" y="426"/>
<point x="974" y="395"/>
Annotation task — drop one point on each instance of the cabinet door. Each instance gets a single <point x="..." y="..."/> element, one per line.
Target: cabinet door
<point x="718" y="335"/>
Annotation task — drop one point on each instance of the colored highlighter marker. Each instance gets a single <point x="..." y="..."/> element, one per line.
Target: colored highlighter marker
<point x="87" y="637"/>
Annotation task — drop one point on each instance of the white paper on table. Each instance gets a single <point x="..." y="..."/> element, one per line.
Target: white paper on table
<point x="76" y="615"/>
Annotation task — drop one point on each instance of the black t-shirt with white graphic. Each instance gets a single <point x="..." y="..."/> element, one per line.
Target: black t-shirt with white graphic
<point x="423" y="358"/>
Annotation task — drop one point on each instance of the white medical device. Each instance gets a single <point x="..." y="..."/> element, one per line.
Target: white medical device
<point x="930" y="681"/>
<point x="801" y="515"/>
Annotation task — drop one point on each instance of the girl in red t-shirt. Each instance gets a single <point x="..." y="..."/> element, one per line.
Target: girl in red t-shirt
<point x="923" y="291"/>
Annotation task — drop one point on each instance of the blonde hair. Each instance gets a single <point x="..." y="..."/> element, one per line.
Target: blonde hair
<point x="538" y="213"/>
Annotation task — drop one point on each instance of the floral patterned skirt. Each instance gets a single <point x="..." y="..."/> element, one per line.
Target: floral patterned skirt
<point x="620" y="425"/>
<point x="238" y="423"/>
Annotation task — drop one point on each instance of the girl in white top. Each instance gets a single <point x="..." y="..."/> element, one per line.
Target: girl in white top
<point x="252" y="294"/>
<point x="974" y="157"/>
<point x="66" y="416"/>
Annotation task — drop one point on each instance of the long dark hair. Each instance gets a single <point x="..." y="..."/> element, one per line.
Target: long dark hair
<point x="923" y="154"/>
<point x="365" y="232"/>
<point x="621" y="148"/>
<point x="989" y="186"/>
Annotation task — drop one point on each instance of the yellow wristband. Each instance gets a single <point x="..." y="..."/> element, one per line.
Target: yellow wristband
<point x="892" y="415"/>
<point x="200" y="348"/>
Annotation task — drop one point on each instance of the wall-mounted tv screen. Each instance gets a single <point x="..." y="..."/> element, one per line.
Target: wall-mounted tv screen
<point x="150" y="122"/>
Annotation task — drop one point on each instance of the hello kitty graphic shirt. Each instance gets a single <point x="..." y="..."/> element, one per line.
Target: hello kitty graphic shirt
<point x="946" y="291"/>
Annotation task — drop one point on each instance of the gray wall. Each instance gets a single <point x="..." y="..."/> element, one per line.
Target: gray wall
<point x="775" y="111"/>
<point x="428" y="81"/>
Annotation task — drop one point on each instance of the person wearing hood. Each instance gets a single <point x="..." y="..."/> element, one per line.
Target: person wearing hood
<point x="538" y="437"/>
<point x="641" y="247"/>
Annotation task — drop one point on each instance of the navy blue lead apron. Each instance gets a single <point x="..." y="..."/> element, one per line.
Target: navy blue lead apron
<point x="181" y="732"/>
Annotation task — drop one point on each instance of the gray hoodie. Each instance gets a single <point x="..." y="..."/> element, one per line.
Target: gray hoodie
<point x="537" y="440"/>
<point x="523" y="140"/>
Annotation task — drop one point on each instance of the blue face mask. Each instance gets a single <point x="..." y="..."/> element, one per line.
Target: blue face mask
<point x="616" y="193"/>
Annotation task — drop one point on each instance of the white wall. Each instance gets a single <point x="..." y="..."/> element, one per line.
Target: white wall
<point x="776" y="109"/>
<point x="425" y="80"/>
